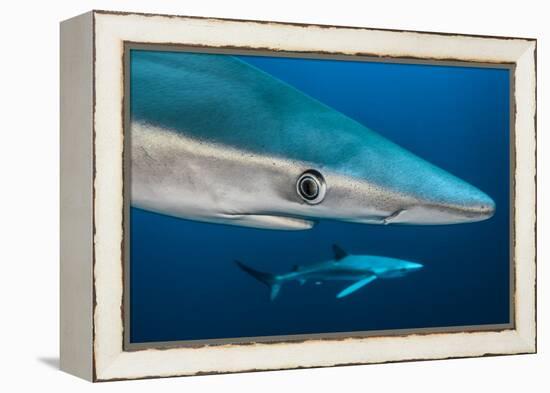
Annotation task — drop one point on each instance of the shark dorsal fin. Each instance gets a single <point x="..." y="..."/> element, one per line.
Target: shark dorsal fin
<point x="339" y="253"/>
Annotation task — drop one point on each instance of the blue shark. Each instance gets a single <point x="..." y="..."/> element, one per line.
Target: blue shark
<point x="218" y="140"/>
<point x="360" y="269"/>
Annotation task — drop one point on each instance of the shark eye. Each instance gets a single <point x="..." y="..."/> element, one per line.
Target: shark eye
<point x="311" y="187"/>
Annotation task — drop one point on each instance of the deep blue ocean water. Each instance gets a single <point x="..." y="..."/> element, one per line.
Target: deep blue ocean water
<point x="185" y="286"/>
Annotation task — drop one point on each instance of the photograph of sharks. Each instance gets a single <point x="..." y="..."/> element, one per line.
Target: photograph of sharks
<point x="360" y="269"/>
<point x="250" y="170"/>
<point x="217" y="140"/>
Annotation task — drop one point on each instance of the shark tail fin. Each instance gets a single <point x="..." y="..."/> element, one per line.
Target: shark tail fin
<point x="267" y="278"/>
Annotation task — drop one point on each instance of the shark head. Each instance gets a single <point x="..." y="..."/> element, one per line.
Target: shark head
<point x="393" y="268"/>
<point x="369" y="179"/>
<point x="409" y="267"/>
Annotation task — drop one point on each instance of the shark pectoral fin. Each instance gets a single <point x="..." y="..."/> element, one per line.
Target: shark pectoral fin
<point x="270" y="222"/>
<point x="355" y="286"/>
<point x="275" y="288"/>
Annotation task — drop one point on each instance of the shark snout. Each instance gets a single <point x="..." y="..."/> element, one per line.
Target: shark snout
<point x="481" y="208"/>
<point x="413" y="266"/>
<point x="441" y="198"/>
<point x="474" y="206"/>
<point x="410" y="190"/>
<point x="445" y="211"/>
<point x="400" y="269"/>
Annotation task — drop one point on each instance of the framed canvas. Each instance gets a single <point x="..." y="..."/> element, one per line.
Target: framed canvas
<point x="245" y="195"/>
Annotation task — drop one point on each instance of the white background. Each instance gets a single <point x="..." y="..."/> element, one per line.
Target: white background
<point x="29" y="195"/>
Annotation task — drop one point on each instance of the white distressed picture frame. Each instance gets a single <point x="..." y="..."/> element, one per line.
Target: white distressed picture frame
<point x="92" y="190"/>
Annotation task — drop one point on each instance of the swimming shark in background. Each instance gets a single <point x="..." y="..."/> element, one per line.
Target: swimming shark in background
<point x="215" y="139"/>
<point x="361" y="269"/>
